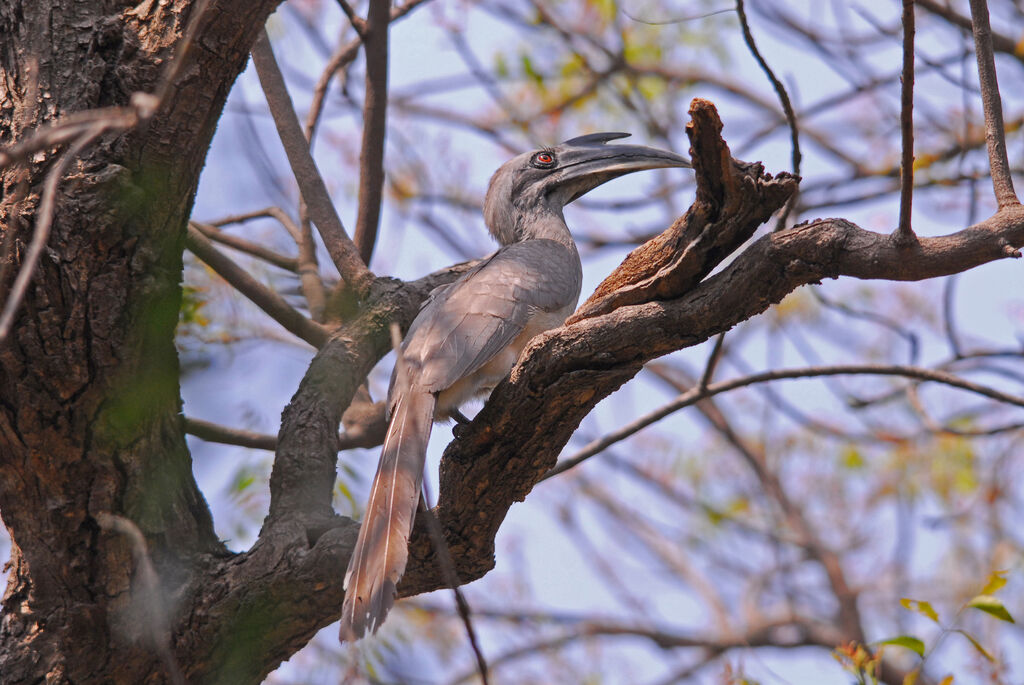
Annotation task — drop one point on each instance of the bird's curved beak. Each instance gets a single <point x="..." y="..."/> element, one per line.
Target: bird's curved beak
<point x="587" y="162"/>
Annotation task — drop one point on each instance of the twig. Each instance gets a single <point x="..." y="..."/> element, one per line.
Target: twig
<point x="271" y="212"/>
<point x="948" y="316"/>
<point x="212" y="432"/>
<point x="451" y="577"/>
<point x="697" y="394"/>
<point x="223" y="435"/>
<point x="308" y="267"/>
<point x="995" y="133"/>
<point x="148" y="603"/>
<point x="904" y="232"/>
<point x="314" y="193"/>
<point x="43" y="224"/>
<point x="1000" y="43"/>
<point x="375" y="105"/>
<point x="246" y="246"/>
<point x="264" y="298"/>
<point x="787" y="106"/>
<point x="713" y="359"/>
<point x="75" y="125"/>
<point x="358" y="23"/>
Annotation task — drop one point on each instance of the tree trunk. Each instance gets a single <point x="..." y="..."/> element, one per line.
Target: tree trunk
<point x="89" y="397"/>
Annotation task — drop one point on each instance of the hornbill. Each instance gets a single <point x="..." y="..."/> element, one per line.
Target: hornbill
<point x="469" y="334"/>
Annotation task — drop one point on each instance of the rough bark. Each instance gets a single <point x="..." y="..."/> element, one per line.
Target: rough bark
<point x="89" y="400"/>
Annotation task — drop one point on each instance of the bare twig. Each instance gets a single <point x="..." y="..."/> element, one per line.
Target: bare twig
<point x="787" y="106"/>
<point x="358" y="23"/>
<point x="44" y="220"/>
<point x="306" y="265"/>
<point x="341" y="58"/>
<point x="1000" y="43"/>
<point x="214" y="432"/>
<point x="447" y="567"/>
<point x="904" y="231"/>
<point x="76" y="125"/>
<point x="265" y="298"/>
<point x="343" y="252"/>
<point x="713" y="359"/>
<point x="697" y="394"/>
<point x="995" y="132"/>
<point x="246" y="246"/>
<point x="375" y="104"/>
<point x="271" y="212"/>
<point x="785" y="633"/>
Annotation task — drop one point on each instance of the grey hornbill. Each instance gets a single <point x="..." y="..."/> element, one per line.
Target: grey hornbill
<point x="469" y="334"/>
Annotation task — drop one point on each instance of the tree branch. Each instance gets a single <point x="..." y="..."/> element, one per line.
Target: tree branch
<point x="314" y="193"/>
<point x="44" y="219"/>
<point x="375" y="106"/>
<point x="995" y="132"/>
<point x="246" y="246"/>
<point x="491" y="465"/>
<point x="780" y="90"/>
<point x="266" y="299"/>
<point x="212" y="432"/>
<point x="904" y="231"/>
<point x="302" y="479"/>
<point x="698" y="393"/>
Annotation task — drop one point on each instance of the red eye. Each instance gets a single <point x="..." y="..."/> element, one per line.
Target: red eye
<point x="543" y="160"/>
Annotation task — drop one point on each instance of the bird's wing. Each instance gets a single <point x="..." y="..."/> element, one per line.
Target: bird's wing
<point x="476" y="317"/>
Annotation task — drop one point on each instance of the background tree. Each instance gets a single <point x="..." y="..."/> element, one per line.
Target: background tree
<point x="874" y="499"/>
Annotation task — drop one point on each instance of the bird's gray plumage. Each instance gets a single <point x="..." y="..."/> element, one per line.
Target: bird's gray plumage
<point x="469" y="334"/>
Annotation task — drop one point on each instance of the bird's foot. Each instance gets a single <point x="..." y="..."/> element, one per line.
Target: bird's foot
<point x="460" y="422"/>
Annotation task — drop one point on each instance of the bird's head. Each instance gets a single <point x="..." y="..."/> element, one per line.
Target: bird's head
<point x="541" y="182"/>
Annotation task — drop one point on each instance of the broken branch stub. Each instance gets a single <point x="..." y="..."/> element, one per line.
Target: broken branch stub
<point x="732" y="199"/>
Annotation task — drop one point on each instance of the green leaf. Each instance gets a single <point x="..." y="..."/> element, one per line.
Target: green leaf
<point x="529" y="70"/>
<point x="908" y="641"/>
<point x="500" y="66"/>
<point x="995" y="582"/>
<point x="991" y="605"/>
<point x="923" y="608"/>
<point x="981" y="650"/>
<point x="851" y="458"/>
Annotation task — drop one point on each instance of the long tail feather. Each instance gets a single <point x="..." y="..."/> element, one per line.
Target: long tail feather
<point x="381" y="551"/>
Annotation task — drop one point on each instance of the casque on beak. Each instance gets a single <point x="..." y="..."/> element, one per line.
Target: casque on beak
<point x="586" y="162"/>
